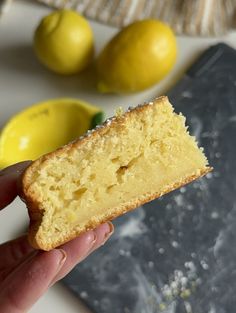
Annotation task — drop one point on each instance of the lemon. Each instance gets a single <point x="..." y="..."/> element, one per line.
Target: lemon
<point x="44" y="127"/>
<point x="140" y="55"/>
<point x="63" y="42"/>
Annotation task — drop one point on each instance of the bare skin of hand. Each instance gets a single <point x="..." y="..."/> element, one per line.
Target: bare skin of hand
<point x="26" y="273"/>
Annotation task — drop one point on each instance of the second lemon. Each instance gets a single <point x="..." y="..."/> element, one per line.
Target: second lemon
<point x="140" y="55"/>
<point x="63" y="42"/>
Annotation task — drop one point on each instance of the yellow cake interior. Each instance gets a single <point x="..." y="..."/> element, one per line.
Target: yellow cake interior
<point x="148" y="151"/>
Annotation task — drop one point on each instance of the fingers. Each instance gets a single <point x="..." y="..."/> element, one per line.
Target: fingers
<point x="37" y="270"/>
<point x="12" y="252"/>
<point x="30" y="272"/>
<point x="8" y="182"/>
<point x="79" y="248"/>
<point x="25" y="285"/>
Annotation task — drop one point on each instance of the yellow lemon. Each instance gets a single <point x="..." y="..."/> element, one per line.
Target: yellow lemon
<point x="140" y="55"/>
<point x="63" y="42"/>
<point x="44" y="127"/>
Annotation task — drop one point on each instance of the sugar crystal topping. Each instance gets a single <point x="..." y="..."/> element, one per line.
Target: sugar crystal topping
<point x="109" y="120"/>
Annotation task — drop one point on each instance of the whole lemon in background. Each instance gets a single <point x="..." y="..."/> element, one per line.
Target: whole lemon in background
<point x="63" y="42"/>
<point x="140" y="55"/>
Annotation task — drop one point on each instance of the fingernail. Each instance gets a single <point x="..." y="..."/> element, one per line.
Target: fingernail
<point x="62" y="257"/>
<point x="15" y="168"/>
<point x="91" y="246"/>
<point x="61" y="260"/>
<point x="94" y="239"/>
<point x="109" y="233"/>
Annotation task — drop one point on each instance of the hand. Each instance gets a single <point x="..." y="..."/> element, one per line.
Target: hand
<point x="25" y="273"/>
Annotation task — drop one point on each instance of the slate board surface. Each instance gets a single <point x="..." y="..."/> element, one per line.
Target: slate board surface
<point x="178" y="253"/>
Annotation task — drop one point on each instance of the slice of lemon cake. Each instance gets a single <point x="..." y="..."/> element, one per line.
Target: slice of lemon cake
<point x="132" y="158"/>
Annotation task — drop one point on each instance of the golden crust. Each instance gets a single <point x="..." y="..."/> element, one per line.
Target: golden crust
<point x="36" y="212"/>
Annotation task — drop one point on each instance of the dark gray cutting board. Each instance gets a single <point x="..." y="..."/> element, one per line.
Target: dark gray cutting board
<point x="178" y="253"/>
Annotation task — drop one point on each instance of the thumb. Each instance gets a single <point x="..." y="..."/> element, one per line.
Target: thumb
<point x="9" y="182"/>
<point x="26" y="284"/>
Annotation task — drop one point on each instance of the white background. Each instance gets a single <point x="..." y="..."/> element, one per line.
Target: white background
<point x="23" y="81"/>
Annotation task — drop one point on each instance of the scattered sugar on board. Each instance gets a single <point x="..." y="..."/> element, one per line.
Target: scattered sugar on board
<point x="188" y="307"/>
<point x="134" y="226"/>
<point x="204" y="265"/>
<point x="212" y="309"/>
<point x="181" y="284"/>
<point x="169" y="206"/>
<point x="218" y="243"/>
<point x="183" y="189"/>
<point x="187" y="94"/>
<point x="175" y="244"/>
<point x="214" y="215"/>
<point x="179" y="200"/>
<point x="123" y="252"/>
<point x="151" y="264"/>
<point x="197" y="127"/>
<point x="84" y="295"/>
<point x="232" y="118"/>
<point x="161" y="250"/>
<point x="209" y="175"/>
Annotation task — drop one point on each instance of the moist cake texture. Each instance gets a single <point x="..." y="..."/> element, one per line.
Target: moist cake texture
<point x="132" y="158"/>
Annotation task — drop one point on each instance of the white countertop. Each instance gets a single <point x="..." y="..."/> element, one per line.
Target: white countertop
<point x="23" y="81"/>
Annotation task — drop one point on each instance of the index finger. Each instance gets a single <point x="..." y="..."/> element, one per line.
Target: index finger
<point x="8" y="182"/>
